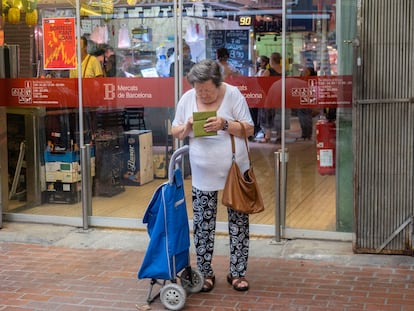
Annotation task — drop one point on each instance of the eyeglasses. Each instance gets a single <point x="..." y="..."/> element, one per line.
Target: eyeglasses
<point x="205" y="90"/>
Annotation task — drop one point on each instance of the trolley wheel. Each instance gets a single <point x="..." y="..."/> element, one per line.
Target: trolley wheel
<point x="193" y="285"/>
<point x="173" y="296"/>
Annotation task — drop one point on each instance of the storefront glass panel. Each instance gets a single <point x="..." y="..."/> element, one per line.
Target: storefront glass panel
<point x="127" y="113"/>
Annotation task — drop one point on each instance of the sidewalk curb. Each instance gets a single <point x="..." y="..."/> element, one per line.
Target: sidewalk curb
<point x="137" y="240"/>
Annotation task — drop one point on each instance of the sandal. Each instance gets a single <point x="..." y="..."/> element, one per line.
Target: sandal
<point x="236" y="282"/>
<point x="209" y="282"/>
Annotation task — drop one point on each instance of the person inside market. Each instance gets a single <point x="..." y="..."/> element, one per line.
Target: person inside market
<point x="305" y="114"/>
<point x="91" y="67"/>
<point x="187" y="62"/>
<point x="270" y="117"/>
<point x="109" y="64"/>
<point x="210" y="160"/>
<point x="227" y="69"/>
<point x="100" y="55"/>
<point x="106" y="56"/>
<point x="262" y="65"/>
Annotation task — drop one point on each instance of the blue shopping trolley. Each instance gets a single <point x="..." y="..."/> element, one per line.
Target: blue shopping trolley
<point x="168" y="250"/>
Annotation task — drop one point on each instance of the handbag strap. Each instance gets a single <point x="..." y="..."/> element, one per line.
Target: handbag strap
<point x="233" y="146"/>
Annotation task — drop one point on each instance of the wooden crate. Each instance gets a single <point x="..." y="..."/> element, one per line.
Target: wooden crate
<point x="138" y="159"/>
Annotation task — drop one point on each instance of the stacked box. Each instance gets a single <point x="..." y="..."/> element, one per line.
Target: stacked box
<point x="63" y="176"/>
<point x="138" y="160"/>
<point x="62" y="171"/>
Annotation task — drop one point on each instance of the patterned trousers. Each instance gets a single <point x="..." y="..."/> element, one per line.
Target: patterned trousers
<point x="204" y="219"/>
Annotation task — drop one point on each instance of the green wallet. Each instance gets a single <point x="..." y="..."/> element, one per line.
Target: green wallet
<point x="199" y="119"/>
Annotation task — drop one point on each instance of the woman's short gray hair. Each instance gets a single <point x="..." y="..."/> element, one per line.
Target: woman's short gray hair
<point x="205" y="70"/>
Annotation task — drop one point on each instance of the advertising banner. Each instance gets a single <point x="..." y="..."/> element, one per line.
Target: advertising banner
<point x="260" y="92"/>
<point x="59" y="43"/>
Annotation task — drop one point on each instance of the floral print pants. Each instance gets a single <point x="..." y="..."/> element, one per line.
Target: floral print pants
<point x="204" y="226"/>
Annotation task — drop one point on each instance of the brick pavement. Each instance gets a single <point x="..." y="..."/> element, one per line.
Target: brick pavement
<point x="44" y="277"/>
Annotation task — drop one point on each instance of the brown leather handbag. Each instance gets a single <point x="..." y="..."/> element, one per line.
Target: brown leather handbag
<point x="241" y="191"/>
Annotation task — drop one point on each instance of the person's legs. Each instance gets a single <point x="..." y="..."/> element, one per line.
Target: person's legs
<point x="204" y="226"/>
<point x="277" y="124"/>
<point x="301" y="117"/>
<point x="254" y="112"/>
<point x="239" y="249"/>
<point x="306" y="122"/>
<point x="308" y="126"/>
<point x="266" y="116"/>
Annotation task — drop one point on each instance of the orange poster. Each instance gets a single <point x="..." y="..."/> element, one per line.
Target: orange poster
<point x="59" y="43"/>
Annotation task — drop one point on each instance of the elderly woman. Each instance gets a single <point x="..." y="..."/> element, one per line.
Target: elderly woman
<point x="210" y="160"/>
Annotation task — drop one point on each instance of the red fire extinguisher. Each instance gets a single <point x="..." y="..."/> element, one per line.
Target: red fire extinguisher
<point x="325" y="146"/>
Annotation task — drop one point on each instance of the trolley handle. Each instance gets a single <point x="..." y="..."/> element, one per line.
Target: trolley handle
<point x="176" y="159"/>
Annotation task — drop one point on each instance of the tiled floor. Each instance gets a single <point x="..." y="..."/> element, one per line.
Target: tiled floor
<point x="41" y="277"/>
<point x="310" y="197"/>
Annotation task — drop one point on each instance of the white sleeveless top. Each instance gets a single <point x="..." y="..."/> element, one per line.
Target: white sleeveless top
<point x="211" y="156"/>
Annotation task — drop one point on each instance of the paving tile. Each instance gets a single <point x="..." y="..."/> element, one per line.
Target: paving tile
<point x="40" y="277"/>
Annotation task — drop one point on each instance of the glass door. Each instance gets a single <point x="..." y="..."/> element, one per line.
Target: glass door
<point x="291" y="63"/>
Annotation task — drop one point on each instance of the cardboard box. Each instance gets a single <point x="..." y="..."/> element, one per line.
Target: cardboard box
<point x="160" y="166"/>
<point x="71" y="177"/>
<point x="66" y="177"/>
<point x="92" y="166"/>
<point x="138" y="160"/>
<point x="66" y="171"/>
<point x="52" y="166"/>
<point x="52" y="176"/>
<point x="62" y="166"/>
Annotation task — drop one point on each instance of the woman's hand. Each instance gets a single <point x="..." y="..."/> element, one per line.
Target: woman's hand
<point x="189" y="125"/>
<point x="182" y="131"/>
<point x="214" y="124"/>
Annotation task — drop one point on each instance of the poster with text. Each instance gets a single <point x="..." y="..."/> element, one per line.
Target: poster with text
<point x="59" y="43"/>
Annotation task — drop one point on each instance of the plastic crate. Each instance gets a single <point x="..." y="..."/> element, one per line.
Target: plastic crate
<point x="62" y="197"/>
<point x="65" y="193"/>
<point x="65" y="156"/>
<point x="68" y="156"/>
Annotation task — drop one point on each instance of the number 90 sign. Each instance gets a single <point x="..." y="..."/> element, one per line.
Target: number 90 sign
<point x="245" y="21"/>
